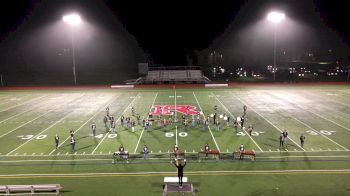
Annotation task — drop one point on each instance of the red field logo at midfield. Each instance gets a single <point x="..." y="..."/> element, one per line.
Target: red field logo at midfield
<point x="170" y="109"/>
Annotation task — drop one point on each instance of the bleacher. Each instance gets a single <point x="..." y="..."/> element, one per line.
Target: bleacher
<point x="176" y="75"/>
<point x="30" y="189"/>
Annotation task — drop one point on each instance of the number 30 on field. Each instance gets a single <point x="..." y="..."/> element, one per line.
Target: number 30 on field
<point x="323" y="132"/>
<point x="171" y="134"/>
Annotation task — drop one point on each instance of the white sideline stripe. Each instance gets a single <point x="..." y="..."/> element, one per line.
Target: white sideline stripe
<point x="208" y="125"/>
<point x="81" y="126"/>
<point x="318" y="132"/>
<point x="82" y="160"/>
<point x="266" y="119"/>
<point x="104" y="137"/>
<point x="143" y="129"/>
<point x="25" y="124"/>
<point x="31" y="100"/>
<point x="265" y="152"/>
<point x="176" y="142"/>
<point x="189" y="172"/>
<point x="40" y="133"/>
<point x="233" y="118"/>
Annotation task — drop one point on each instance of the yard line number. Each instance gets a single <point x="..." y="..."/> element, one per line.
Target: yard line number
<point x="40" y="137"/>
<point x="324" y="132"/>
<point x="171" y="134"/>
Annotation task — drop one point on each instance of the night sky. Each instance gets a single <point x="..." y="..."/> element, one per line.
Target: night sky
<point x="165" y="31"/>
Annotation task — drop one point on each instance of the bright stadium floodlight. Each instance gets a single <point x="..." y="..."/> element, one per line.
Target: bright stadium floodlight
<point x="275" y="17"/>
<point x="73" y="20"/>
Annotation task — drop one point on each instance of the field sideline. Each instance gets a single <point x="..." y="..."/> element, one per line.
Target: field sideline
<point x="30" y="119"/>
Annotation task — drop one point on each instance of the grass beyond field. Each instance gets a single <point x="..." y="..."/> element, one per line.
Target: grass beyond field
<point x="29" y="121"/>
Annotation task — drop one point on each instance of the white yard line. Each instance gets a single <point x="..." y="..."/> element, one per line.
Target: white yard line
<point x="208" y="125"/>
<point x="234" y="118"/>
<point x="31" y="120"/>
<point x="138" y="142"/>
<point x="317" y="114"/>
<point x="83" y="124"/>
<point x="25" y="124"/>
<point x="5" y="102"/>
<point x="266" y="119"/>
<point x="31" y="100"/>
<point x="16" y="115"/>
<point x="176" y="141"/>
<point x="40" y="133"/>
<point x="31" y="109"/>
<point x="318" y="132"/>
<point x="104" y="137"/>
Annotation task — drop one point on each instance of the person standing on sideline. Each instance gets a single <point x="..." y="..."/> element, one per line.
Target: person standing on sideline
<point x="206" y="150"/>
<point x="241" y="151"/>
<point x="281" y="140"/>
<point x="72" y="143"/>
<point x="93" y="127"/>
<point x="180" y="171"/>
<point x="57" y="139"/>
<point x="145" y="152"/>
<point x="302" y="140"/>
<point x="285" y="137"/>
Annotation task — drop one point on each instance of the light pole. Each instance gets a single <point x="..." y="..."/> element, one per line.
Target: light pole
<point x="73" y="20"/>
<point x="275" y="18"/>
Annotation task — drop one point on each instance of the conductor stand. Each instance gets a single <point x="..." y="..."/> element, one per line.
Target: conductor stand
<point x="174" y="188"/>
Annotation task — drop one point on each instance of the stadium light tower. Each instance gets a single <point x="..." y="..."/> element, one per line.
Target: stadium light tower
<point x="73" y="20"/>
<point x="275" y="18"/>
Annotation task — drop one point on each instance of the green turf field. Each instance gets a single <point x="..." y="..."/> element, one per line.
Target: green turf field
<point x="29" y="121"/>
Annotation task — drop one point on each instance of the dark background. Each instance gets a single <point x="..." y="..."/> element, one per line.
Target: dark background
<point x="128" y="32"/>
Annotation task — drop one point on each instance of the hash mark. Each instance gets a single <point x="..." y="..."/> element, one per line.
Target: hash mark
<point x="41" y="153"/>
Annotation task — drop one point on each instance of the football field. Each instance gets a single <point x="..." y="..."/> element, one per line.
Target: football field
<point x="30" y="119"/>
